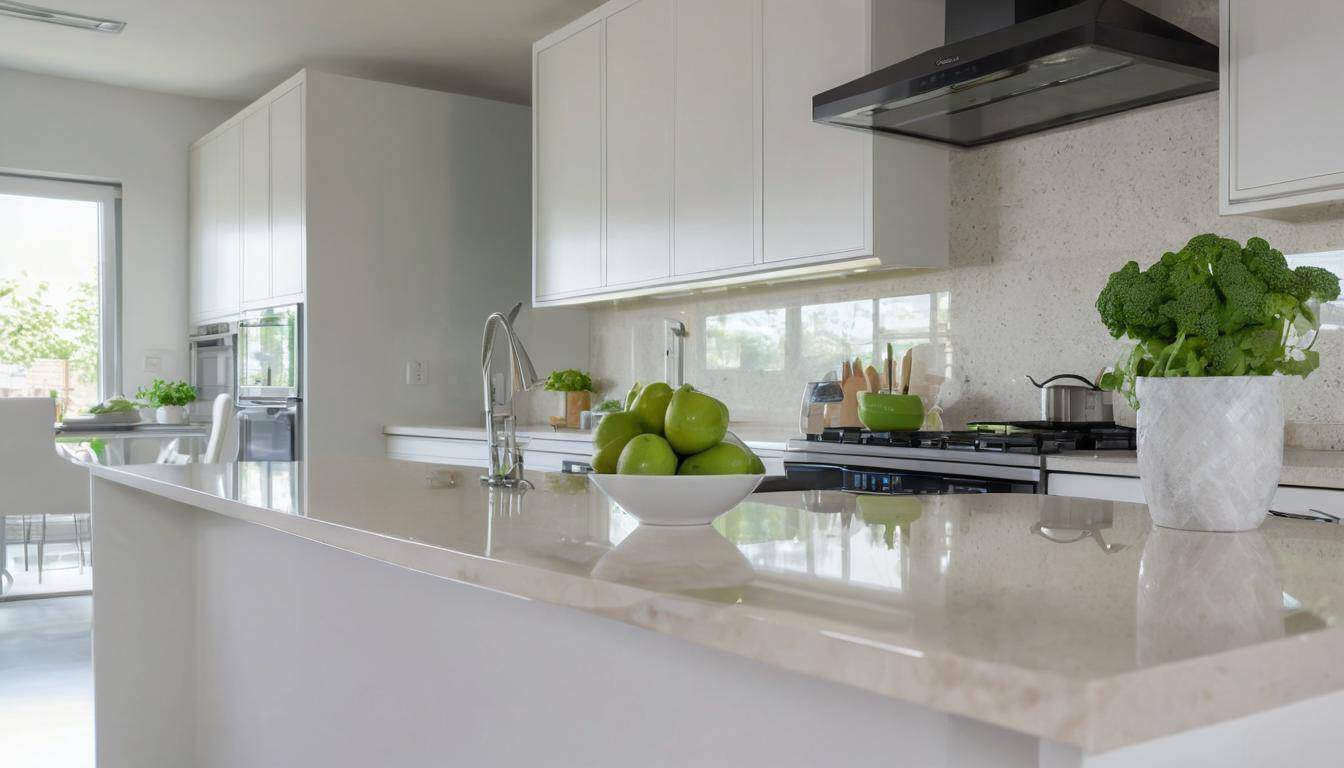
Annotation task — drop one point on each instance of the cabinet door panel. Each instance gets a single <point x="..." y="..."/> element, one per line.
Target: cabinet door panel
<point x="199" y="225"/>
<point x="288" y="236"/>
<point x="1283" y="128"/>
<point x="716" y="129"/>
<point x="639" y="142"/>
<point x="568" y="146"/>
<point x="815" y="177"/>
<point x="256" y="263"/>
<point x="226" y="179"/>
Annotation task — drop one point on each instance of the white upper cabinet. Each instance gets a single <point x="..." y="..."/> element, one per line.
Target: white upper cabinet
<point x="639" y="142"/>
<point x="1282" y="75"/>
<point x="674" y="146"/>
<point x="257" y="206"/>
<point x="567" y="152"/>
<point x="818" y="180"/>
<point x="287" y="201"/>
<point x="223" y="181"/>
<point x="247" y="209"/>
<point x="716" y="135"/>
<point x="200" y="228"/>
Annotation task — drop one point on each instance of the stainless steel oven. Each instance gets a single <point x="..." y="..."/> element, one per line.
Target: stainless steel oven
<point x="270" y="384"/>
<point x="213" y="362"/>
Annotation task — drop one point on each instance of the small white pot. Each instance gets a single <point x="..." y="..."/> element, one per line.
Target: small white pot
<point x="1210" y="450"/>
<point x="171" y="414"/>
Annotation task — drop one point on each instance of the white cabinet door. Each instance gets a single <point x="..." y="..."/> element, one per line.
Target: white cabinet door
<point x="816" y="177"/>
<point x="568" y="164"/>
<point x="199" y="226"/>
<point x="639" y="142"/>
<point x="224" y="181"/>
<point x="716" y="128"/>
<point x="256" y="261"/>
<point x="288" y="235"/>
<point x="1282" y="76"/>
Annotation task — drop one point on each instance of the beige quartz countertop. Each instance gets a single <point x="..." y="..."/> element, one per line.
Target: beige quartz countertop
<point x="986" y="606"/>
<point x="1313" y="469"/>
<point x="759" y="437"/>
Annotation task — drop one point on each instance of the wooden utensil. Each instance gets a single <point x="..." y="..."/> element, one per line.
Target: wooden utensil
<point x="849" y="411"/>
<point x="874" y="381"/>
<point x="906" y="362"/>
<point x="891" y="369"/>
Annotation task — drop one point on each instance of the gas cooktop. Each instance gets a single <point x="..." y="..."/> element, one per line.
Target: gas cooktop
<point x="1028" y="437"/>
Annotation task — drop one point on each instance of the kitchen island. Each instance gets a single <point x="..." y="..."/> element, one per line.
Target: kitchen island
<point x="359" y="611"/>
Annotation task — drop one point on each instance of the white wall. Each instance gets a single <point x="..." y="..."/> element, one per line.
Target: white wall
<point x="60" y="127"/>
<point x="419" y="212"/>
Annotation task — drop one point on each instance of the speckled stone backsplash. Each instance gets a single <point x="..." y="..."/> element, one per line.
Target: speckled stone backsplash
<point x="1038" y="224"/>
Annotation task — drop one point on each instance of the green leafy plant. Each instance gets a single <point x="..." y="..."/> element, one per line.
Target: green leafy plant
<point x="114" y="405"/>
<point x="569" y="380"/>
<point x="609" y="406"/>
<point x="1215" y="308"/>
<point x="161" y="393"/>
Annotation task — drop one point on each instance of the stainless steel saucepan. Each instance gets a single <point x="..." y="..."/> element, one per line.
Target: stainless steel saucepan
<point x="1072" y="399"/>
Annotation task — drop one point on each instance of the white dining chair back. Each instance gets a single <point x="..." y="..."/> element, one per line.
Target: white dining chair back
<point x="221" y="425"/>
<point x="34" y="477"/>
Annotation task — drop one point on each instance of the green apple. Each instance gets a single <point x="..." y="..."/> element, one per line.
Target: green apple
<point x="651" y="406"/>
<point x="631" y="395"/>
<point x="610" y="438"/>
<point x="695" y="421"/>
<point x="757" y="466"/>
<point x="647" y="455"/>
<point x="722" y="459"/>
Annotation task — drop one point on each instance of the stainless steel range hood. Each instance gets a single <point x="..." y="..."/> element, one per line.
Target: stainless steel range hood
<point x="1013" y="67"/>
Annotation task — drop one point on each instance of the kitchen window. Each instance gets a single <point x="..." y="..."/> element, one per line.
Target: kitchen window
<point x="59" y="319"/>
<point x="1332" y="313"/>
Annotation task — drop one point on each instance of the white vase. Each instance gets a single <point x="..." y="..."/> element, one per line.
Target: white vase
<point x="1210" y="450"/>
<point x="171" y="414"/>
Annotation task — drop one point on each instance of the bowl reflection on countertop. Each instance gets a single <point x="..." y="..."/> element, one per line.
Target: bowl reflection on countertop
<point x="676" y="559"/>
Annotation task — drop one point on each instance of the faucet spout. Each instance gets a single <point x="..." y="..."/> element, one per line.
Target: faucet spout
<point x="505" y="457"/>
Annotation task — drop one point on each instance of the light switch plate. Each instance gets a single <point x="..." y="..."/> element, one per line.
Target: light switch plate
<point x="415" y="372"/>
<point x="153" y="364"/>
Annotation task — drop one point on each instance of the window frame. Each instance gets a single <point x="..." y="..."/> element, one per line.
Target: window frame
<point x="108" y="197"/>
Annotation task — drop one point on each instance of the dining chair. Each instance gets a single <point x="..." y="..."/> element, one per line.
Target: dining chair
<point x="35" y="480"/>
<point x="221" y="425"/>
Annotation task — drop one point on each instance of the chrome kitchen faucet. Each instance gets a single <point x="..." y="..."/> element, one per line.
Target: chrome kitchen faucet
<point x="506" y="458"/>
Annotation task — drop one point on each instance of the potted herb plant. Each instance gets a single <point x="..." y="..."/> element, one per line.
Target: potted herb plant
<point x="578" y="389"/>
<point x="169" y="399"/>
<point x="1213" y="325"/>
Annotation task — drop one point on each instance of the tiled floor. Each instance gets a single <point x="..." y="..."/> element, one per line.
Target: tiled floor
<point x="46" y="683"/>
<point x="65" y="568"/>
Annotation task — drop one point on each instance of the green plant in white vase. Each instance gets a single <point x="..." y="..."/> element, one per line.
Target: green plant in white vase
<point x="1212" y="324"/>
<point x="169" y="399"/>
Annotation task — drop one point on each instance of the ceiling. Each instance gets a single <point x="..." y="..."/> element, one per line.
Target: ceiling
<point x="239" y="49"/>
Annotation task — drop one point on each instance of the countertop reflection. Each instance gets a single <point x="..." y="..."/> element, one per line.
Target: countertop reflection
<point x="1007" y="595"/>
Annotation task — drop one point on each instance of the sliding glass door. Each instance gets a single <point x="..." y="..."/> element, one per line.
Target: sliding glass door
<point x="59" y="288"/>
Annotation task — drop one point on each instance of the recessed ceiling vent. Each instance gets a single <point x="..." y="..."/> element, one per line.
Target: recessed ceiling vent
<point x="64" y="18"/>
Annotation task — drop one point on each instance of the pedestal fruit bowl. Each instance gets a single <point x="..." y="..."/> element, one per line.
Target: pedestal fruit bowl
<point x="670" y="459"/>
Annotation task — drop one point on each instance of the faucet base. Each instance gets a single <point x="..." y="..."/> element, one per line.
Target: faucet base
<point x="501" y="481"/>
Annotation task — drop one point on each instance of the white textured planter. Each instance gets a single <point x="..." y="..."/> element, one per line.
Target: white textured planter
<point x="171" y="414"/>
<point x="1210" y="450"/>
